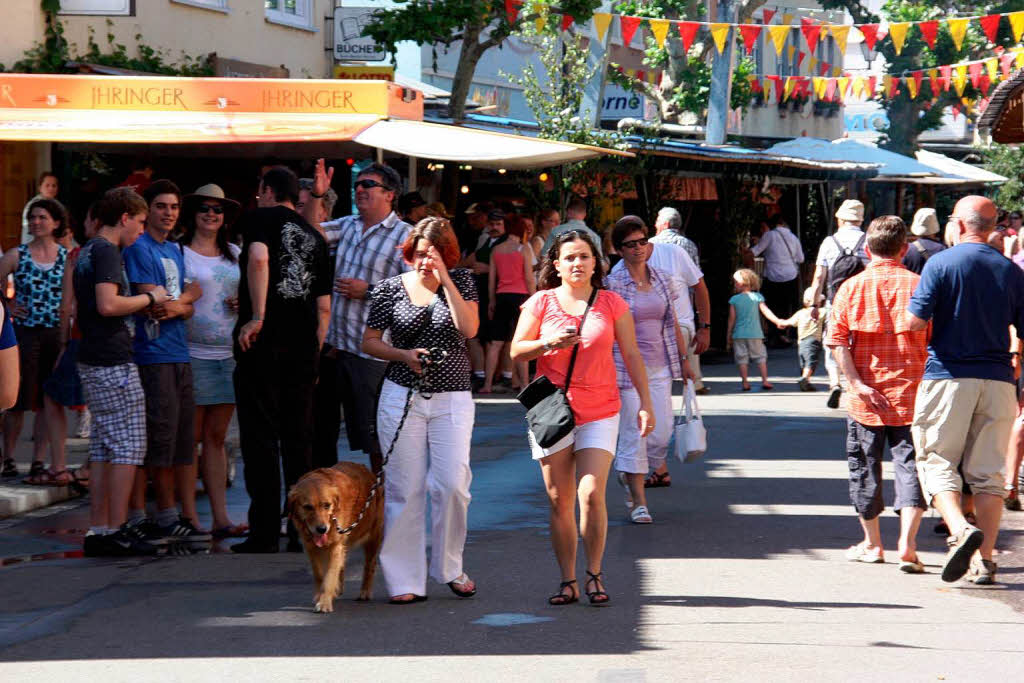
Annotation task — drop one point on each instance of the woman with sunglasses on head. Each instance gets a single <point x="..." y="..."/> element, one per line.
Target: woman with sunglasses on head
<point x="428" y="309"/>
<point x="571" y="308"/>
<point x="650" y="296"/>
<point x="212" y="261"/>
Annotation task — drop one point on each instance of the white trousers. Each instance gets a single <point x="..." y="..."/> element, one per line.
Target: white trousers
<point x="636" y="454"/>
<point x="431" y="456"/>
<point x="688" y="335"/>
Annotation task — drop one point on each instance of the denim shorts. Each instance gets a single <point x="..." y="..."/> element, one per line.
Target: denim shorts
<point x="212" y="381"/>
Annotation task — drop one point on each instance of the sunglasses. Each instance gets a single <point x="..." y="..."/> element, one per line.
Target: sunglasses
<point x="370" y="184"/>
<point x="216" y="208"/>
<point x="633" y="244"/>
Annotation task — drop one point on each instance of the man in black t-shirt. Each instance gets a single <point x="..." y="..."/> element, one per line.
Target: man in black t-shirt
<point x="284" y="301"/>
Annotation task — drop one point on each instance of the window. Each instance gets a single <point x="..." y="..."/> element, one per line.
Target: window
<point x="109" y="7"/>
<point x="219" y="5"/>
<point x="298" y="13"/>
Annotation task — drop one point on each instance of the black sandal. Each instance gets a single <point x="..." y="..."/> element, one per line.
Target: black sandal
<point x="10" y="470"/>
<point x="560" y="598"/>
<point x="598" y="598"/>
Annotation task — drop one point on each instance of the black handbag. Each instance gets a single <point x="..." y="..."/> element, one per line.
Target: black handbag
<point x="548" y="412"/>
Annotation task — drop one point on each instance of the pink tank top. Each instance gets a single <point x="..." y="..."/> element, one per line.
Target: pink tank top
<point x="511" y="279"/>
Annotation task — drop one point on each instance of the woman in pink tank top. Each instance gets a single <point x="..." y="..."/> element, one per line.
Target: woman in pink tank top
<point x="510" y="282"/>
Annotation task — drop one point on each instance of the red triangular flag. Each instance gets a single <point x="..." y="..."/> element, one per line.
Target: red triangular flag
<point x="990" y="25"/>
<point x="629" y="26"/>
<point x="766" y="15"/>
<point x="749" y="33"/>
<point x="688" y="31"/>
<point x="947" y="73"/>
<point x="975" y="72"/>
<point x="512" y="10"/>
<point x="918" y="77"/>
<point x="870" y="32"/>
<point x="811" y="30"/>
<point x="929" y="30"/>
<point x="830" y="89"/>
<point x="1006" y="63"/>
<point x="566" y="22"/>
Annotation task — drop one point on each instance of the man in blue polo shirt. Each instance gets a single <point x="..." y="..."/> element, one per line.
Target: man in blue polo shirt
<point x="966" y="402"/>
<point x="161" y="352"/>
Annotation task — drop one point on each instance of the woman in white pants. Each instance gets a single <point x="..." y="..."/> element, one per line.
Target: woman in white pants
<point x="650" y="296"/>
<point x="426" y="309"/>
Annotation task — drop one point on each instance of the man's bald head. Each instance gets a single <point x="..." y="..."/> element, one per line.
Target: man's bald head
<point x="978" y="214"/>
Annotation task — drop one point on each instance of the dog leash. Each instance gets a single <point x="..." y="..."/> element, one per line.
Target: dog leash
<point x="420" y="384"/>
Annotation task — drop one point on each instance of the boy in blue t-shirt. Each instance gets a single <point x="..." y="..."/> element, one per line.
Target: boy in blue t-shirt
<point x="161" y="352"/>
<point x="744" y="333"/>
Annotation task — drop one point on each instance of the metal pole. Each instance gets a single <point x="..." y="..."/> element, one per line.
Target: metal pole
<point x="721" y="81"/>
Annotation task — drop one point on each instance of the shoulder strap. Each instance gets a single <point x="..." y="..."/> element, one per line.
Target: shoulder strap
<point x="575" y="349"/>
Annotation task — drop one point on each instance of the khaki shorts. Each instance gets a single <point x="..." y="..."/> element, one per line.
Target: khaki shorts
<point x="964" y="421"/>
<point x="748" y="351"/>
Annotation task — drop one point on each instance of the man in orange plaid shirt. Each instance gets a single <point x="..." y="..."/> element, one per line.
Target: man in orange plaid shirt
<point x="883" y="360"/>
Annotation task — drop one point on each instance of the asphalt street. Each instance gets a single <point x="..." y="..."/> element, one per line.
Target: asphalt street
<point x="741" y="576"/>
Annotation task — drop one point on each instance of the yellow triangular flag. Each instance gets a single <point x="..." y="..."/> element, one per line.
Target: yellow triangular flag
<point x="1016" y="25"/>
<point x="719" y="32"/>
<point x="779" y="33"/>
<point x="911" y="87"/>
<point x="602" y="20"/>
<point x="960" y="79"/>
<point x="840" y="32"/>
<point x="659" y="27"/>
<point x="787" y="19"/>
<point x="844" y="83"/>
<point x="958" y="29"/>
<point x="790" y="84"/>
<point x="992" y="67"/>
<point x="820" y="86"/>
<point x="899" y="35"/>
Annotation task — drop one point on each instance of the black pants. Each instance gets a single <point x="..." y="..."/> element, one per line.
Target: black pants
<point x="326" y="412"/>
<point x="274" y="395"/>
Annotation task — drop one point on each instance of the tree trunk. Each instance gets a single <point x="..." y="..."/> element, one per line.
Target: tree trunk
<point x="469" y="55"/>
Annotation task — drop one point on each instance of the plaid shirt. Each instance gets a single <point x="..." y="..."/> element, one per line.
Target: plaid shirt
<point x="867" y="318"/>
<point x="372" y="255"/>
<point x="670" y="236"/>
<point x="620" y="282"/>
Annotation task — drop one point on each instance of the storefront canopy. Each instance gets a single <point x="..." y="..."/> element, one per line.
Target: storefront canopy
<point x="471" y="145"/>
<point x="133" y="109"/>
<point x="892" y="167"/>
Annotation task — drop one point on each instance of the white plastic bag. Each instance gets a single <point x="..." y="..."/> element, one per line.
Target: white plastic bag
<point x="691" y="436"/>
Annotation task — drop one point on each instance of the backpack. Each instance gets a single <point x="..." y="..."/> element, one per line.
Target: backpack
<point x="846" y="266"/>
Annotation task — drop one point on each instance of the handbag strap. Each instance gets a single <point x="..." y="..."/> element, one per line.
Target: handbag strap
<point x="576" y="348"/>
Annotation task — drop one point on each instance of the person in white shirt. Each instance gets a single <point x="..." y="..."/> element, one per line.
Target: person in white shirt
<point x="783" y="255"/>
<point x="847" y="237"/>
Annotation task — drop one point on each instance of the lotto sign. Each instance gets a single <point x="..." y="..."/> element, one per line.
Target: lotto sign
<point x="349" y="43"/>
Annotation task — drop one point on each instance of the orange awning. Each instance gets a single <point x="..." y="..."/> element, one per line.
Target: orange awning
<point x="178" y="127"/>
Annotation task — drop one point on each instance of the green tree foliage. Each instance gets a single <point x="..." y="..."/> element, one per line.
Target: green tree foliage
<point x="1007" y="160"/>
<point x="478" y="25"/>
<point x="909" y="117"/>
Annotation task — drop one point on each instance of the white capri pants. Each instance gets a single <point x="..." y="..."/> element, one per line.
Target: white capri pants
<point x="431" y="456"/>
<point x="636" y="454"/>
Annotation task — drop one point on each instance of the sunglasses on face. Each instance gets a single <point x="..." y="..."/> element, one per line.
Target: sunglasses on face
<point x="370" y="184"/>
<point x="215" y="208"/>
<point x="633" y="244"/>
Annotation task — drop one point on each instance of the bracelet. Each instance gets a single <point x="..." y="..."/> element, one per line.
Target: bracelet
<point x="152" y="299"/>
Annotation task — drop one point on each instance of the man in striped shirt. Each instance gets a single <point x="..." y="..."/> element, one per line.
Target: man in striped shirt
<point x="366" y="252"/>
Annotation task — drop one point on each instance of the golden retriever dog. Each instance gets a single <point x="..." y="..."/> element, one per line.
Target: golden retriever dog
<point x="324" y="500"/>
